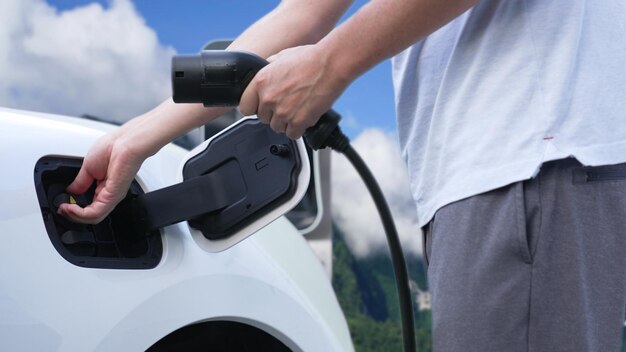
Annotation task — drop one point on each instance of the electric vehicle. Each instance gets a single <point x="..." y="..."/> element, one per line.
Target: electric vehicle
<point x="68" y="287"/>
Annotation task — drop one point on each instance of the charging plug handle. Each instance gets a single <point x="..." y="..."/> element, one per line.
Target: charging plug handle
<point x="219" y="78"/>
<point x="214" y="77"/>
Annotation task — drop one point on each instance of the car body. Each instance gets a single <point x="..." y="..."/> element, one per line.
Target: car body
<point x="269" y="285"/>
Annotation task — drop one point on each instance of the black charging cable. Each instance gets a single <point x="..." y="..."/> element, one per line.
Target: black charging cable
<point x="326" y="133"/>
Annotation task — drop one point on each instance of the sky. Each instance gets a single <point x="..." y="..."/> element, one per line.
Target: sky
<point x="187" y="25"/>
<point x="111" y="58"/>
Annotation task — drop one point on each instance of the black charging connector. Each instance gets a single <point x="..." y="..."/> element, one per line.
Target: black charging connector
<point x="213" y="77"/>
<point x="326" y="133"/>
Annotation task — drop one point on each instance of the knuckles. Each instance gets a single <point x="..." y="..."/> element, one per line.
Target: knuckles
<point x="281" y="112"/>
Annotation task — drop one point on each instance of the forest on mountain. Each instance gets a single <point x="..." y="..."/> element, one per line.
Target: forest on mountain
<point x="367" y="294"/>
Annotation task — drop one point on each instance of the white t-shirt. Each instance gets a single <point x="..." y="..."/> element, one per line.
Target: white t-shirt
<point x="508" y="85"/>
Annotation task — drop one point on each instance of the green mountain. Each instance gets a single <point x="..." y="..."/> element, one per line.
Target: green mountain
<point x="367" y="294"/>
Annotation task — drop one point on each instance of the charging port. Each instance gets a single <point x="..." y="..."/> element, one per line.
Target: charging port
<point x="114" y="243"/>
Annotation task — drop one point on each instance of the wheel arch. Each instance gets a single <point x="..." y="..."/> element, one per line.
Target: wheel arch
<point x="221" y="335"/>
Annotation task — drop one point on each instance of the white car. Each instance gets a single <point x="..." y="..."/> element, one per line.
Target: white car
<point x="105" y="288"/>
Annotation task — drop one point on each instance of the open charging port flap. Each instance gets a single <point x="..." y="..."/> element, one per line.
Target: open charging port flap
<point x="232" y="185"/>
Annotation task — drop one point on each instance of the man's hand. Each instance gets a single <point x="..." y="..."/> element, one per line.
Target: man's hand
<point x="112" y="164"/>
<point x="301" y="83"/>
<point x="294" y="90"/>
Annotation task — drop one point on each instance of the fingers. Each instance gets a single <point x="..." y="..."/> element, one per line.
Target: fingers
<point x="294" y="132"/>
<point x="254" y="100"/>
<point x="81" y="183"/>
<point x="278" y="125"/>
<point x="106" y="198"/>
<point x="251" y="104"/>
<point x="91" y="214"/>
<point x="265" y="113"/>
<point x="249" y="101"/>
<point x="289" y="93"/>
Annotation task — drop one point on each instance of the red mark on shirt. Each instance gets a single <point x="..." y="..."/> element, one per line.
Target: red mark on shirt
<point x="548" y="138"/>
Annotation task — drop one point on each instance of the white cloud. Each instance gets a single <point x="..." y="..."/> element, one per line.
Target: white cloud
<point x="102" y="61"/>
<point x="353" y="208"/>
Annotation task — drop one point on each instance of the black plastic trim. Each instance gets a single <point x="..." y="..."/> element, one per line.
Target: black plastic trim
<point x="114" y="243"/>
<point x="267" y="179"/>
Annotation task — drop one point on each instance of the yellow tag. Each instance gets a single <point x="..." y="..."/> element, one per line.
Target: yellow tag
<point x="72" y="200"/>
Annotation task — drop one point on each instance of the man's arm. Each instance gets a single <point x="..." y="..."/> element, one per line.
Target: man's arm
<point x="301" y="83"/>
<point x="383" y="28"/>
<point x="115" y="159"/>
<point x="291" y="23"/>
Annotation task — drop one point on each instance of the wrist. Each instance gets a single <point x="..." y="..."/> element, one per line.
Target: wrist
<point x="338" y="72"/>
<point x="342" y="65"/>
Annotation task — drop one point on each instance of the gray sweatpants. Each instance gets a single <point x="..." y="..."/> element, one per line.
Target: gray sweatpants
<point x="538" y="265"/>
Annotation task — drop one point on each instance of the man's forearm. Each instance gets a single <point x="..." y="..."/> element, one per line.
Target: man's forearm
<point x="292" y="23"/>
<point x="383" y="28"/>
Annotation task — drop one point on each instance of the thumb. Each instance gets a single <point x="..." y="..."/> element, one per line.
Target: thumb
<point x="81" y="183"/>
